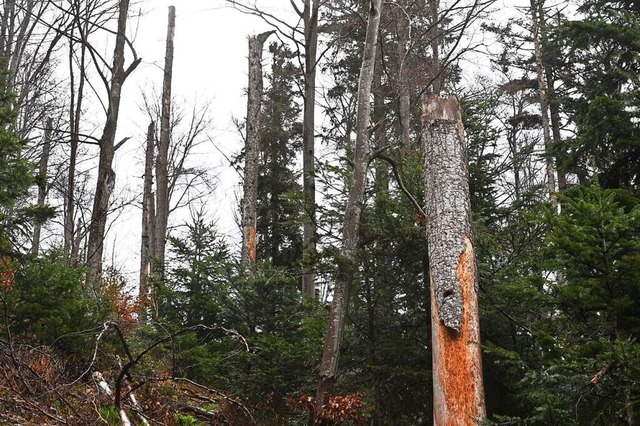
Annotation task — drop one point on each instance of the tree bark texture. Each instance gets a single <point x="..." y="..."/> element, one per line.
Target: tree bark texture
<point x="106" y="175"/>
<point x="252" y="151"/>
<point x="310" y="16"/>
<point x="148" y="215"/>
<point x="71" y="242"/>
<point x="347" y="263"/>
<point x="544" y="103"/>
<point x="457" y="366"/>
<point x="42" y="185"/>
<point x="162" y="167"/>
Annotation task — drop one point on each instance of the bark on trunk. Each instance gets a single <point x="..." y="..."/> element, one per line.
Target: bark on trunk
<point x="544" y="104"/>
<point x="554" y="107"/>
<point x="404" y="94"/>
<point x="71" y="243"/>
<point x="148" y="216"/>
<point x="457" y="368"/>
<point x="435" y="46"/>
<point x="252" y="151"/>
<point x="347" y="264"/>
<point x="42" y="186"/>
<point x="310" y="16"/>
<point x="162" y="167"/>
<point x="106" y="175"/>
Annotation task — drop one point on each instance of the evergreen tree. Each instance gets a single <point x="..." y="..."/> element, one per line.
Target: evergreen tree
<point x="17" y="176"/>
<point x="278" y="229"/>
<point x="602" y="59"/>
<point x="198" y="280"/>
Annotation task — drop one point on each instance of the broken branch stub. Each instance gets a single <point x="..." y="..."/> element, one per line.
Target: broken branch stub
<point x="447" y="203"/>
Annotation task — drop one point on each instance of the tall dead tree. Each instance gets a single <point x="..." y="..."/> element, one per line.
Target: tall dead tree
<point x="252" y="151"/>
<point x="106" y="176"/>
<point x="458" y="393"/>
<point x="310" y="19"/>
<point x="76" y="98"/>
<point x="544" y="103"/>
<point x="162" y="166"/>
<point x="347" y="263"/>
<point x="306" y="41"/>
<point x="403" y="28"/>
<point x="148" y="215"/>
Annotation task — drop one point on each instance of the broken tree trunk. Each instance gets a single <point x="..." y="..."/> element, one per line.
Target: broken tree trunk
<point x="458" y="394"/>
<point x="162" y="167"/>
<point x="106" y="176"/>
<point x="252" y="151"/>
<point x="148" y="218"/>
<point x="348" y="262"/>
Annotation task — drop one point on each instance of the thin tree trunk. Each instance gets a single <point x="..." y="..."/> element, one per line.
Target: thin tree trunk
<point x="310" y="16"/>
<point x="18" y="47"/>
<point x="435" y="46"/>
<point x="71" y="245"/>
<point x="252" y="151"/>
<point x="381" y="183"/>
<point x="162" y="168"/>
<point x="554" y="107"/>
<point x="148" y="217"/>
<point x="544" y="104"/>
<point x="458" y="395"/>
<point x="106" y="175"/>
<point x="42" y="185"/>
<point x="404" y="94"/>
<point x="348" y="262"/>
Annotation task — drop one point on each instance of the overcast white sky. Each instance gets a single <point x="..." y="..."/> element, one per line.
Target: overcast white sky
<point x="210" y="65"/>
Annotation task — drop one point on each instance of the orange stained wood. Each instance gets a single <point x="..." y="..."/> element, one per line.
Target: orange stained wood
<point x="457" y="367"/>
<point x="251" y="244"/>
<point x="7" y="271"/>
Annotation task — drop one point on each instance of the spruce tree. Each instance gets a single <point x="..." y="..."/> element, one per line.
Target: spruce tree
<point x="278" y="230"/>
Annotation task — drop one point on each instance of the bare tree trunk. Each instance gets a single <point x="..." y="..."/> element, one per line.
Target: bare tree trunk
<point x="75" y="110"/>
<point x="458" y="394"/>
<point x="252" y="151"/>
<point x="310" y="17"/>
<point x="162" y="168"/>
<point x="404" y="94"/>
<point x="544" y="104"/>
<point x="435" y="45"/>
<point x="381" y="169"/>
<point x="148" y="216"/>
<point x="42" y="184"/>
<point x="554" y="109"/>
<point x="350" y="231"/>
<point x="106" y="175"/>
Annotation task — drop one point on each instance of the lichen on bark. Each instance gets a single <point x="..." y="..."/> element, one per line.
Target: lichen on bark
<point x="447" y="203"/>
